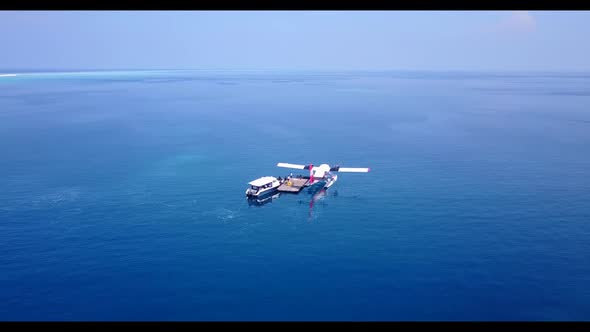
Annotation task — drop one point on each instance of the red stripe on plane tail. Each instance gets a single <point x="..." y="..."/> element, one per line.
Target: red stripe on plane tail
<point x="311" y="173"/>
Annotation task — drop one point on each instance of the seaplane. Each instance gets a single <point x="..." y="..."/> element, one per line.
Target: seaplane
<point x="324" y="173"/>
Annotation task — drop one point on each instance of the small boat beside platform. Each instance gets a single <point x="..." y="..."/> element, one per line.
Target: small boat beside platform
<point x="262" y="186"/>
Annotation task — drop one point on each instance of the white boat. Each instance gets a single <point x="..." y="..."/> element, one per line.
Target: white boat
<point x="262" y="186"/>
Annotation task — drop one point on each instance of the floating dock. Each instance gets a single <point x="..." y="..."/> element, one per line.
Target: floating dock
<point x="296" y="185"/>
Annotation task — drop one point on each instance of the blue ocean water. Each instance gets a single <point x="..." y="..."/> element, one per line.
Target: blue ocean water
<point x="122" y="196"/>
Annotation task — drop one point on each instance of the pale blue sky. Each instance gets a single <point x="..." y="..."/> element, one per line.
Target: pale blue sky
<point x="407" y="40"/>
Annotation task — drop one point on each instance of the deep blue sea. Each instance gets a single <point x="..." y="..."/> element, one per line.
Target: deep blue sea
<point x="122" y="196"/>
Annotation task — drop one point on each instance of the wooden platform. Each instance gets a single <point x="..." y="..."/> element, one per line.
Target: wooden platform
<point x="296" y="185"/>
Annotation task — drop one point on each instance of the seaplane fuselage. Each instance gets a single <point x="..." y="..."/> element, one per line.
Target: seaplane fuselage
<point x="320" y="172"/>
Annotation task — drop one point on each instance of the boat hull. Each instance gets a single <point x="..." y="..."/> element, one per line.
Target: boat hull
<point x="262" y="193"/>
<point x="259" y="201"/>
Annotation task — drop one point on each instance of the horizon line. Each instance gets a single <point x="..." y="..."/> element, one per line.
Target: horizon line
<point x="20" y="71"/>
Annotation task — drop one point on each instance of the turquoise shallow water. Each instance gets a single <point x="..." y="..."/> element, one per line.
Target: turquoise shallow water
<point x="123" y="196"/>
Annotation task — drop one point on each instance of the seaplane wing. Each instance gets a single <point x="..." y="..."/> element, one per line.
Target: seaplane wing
<point x="296" y="166"/>
<point x="350" y="170"/>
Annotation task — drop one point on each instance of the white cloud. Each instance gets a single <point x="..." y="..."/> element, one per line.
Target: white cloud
<point x="518" y="21"/>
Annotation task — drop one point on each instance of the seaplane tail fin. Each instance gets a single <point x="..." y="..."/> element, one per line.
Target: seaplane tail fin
<point x="287" y="165"/>
<point x="311" y="174"/>
<point x="353" y="170"/>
